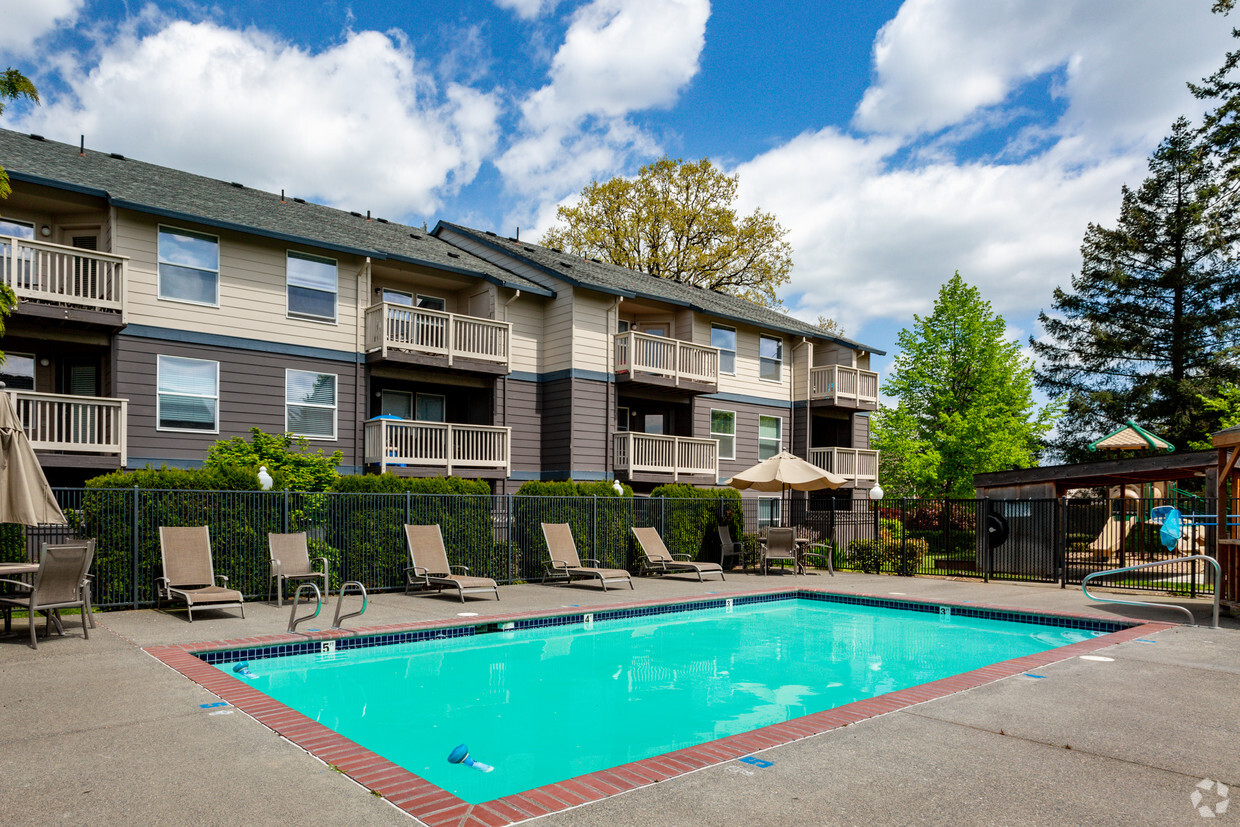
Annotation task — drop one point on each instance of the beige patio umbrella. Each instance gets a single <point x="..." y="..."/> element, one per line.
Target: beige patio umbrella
<point x="785" y="472"/>
<point x="25" y="496"/>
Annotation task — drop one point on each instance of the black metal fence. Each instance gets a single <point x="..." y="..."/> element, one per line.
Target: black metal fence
<point x="500" y="536"/>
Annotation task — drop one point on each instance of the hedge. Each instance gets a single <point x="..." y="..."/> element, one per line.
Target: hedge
<point x="690" y="524"/>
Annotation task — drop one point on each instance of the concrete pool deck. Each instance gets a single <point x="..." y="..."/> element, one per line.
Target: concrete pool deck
<point x="98" y="730"/>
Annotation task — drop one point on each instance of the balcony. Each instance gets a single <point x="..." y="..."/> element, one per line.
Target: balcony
<point x="652" y="457"/>
<point x="844" y="387"/>
<point x="658" y="360"/>
<point x="63" y="429"/>
<point x="415" y="335"/>
<point x="854" y="464"/>
<point x="56" y="281"/>
<point x="406" y="446"/>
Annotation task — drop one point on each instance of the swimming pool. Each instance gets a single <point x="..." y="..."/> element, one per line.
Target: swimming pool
<point x="558" y="697"/>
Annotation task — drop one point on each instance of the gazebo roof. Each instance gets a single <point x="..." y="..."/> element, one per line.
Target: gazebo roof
<point x="1131" y="437"/>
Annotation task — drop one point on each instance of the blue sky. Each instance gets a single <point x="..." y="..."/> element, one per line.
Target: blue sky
<point x="897" y="141"/>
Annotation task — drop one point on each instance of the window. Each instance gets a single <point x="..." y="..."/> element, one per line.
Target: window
<point x="396" y="403"/>
<point x="622" y="326"/>
<point x="430" y="407"/>
<point x="17" y="371"/>
<point x="768" y="511"/>
<point x="770" y="358"/>
<point x="311" y="287"/>
<point x="189" y="266"/>
<point x="398" y="297"/>
<point x="622" y="419"/>
<point x="723" y="428"/>
<point x="724" y="338"/>
<point x="770" y="436"/>
<point x="188" y="394"/>
<point x="20" y="229"/>
<point x="310" y="404"/>
<point x="652" y="423"/>
<point x="431" y="303"/>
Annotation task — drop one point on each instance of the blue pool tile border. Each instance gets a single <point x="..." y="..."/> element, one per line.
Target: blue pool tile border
<point x="311" y="647"/>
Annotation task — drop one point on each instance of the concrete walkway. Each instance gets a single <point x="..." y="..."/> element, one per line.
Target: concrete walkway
<point x="97" y="731"/>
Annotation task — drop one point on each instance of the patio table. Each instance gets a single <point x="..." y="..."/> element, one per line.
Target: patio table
<point x="14" y="570"/>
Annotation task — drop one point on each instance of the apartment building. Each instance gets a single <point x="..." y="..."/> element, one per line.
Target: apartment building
<point x="160" y="311"/>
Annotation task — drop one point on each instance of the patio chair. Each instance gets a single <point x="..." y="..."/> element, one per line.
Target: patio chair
<point x="730" y="548"/>
<point x="185" y="554"/>
<point x="656" y="558"/>
<point x="290" y="560"/>
<point x="431" y="570"/>
<point x="58" y="584"/>
<point x="781" y="544"/>
<point x="562" y="551"/>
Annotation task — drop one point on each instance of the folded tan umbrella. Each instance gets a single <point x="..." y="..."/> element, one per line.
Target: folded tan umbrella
<point x="25" y="496"/>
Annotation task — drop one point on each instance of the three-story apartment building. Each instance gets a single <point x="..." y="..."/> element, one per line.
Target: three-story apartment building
<point x="160" y="311"/>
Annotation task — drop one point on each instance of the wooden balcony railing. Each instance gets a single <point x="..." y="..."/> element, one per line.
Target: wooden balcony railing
<point x="446" y="445"/>
<point x="400" y="327"/>
<point x="675" y="456"/>
<point x="54" y="273"/>
<point x="853" y="463"/>
<point x="844" y="385"/>
<point x="73" y="424"/>
<point x="680" y="361"/>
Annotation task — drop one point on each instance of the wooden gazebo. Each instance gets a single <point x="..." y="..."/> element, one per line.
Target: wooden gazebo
<point x="1227" y="443"/>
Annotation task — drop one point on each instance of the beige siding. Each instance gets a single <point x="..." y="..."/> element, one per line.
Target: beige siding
<point x="593" y="322"/>
<point x="253" y="303"/>
<point x="557" y="334"/>
<point x="746" y="381"/>
<point x="528" y="336"/>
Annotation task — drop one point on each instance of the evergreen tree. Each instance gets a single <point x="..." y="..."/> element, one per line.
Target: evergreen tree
<point x="1150" y="322"/>
<point x="965" y="401"/>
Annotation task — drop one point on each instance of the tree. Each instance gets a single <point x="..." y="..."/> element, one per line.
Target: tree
<point x="13" y="86"/>
<point x="830" y="326"/>
<point x="1150" y="323"/>
<point x="676" y="220"/>
<point x="964" y="400"/>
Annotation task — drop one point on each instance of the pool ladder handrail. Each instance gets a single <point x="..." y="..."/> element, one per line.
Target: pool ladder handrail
<point x="293" y="619"/>
<point x="340" y="603"/>
<point x="1192" y="621"/>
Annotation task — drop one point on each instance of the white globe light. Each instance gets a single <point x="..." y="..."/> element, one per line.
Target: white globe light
<point x="876" y="493"/>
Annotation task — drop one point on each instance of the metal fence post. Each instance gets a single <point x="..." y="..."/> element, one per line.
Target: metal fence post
<point x="408" y="507"/>
<point x="286" y="511"/>
<point x="508" y="532"/>
<point x="133" y="584"/>
<point x="983" y="536"/>
<point x="1061" y="539"/>
<point x="594" y="540"/>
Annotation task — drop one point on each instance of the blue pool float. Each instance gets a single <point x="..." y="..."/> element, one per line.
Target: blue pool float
<point x="460" y="755"/>
<point x="243" y="669"/>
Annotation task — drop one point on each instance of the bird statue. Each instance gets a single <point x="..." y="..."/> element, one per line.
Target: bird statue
<point x="619" y="489"/>
<point x="264" y="479"/>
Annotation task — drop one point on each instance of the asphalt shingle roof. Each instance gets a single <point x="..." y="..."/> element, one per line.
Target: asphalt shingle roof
<point x="175" y="194"/>
<point x="610" y="278"/>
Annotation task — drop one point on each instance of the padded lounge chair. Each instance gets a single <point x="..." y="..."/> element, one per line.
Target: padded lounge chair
<point x="290" y="560"/>
<point x="58" y="584"/>
<point x="189" y="574"/>
<point x="656" y="558"/>
<point x="430" y="568"/>
<point x="781" y="544"/>
<point x="564" y="559"/>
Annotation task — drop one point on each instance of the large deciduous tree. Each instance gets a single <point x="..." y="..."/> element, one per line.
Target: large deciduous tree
<point x="13" y="86"/>
<point x="964" y="400"/>
<point x="676" y="220"/>
<point x="1151" y="320"/>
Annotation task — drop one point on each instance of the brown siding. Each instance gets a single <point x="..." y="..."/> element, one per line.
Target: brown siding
<point x="860" y="431"/>
<point x="557" y="425"/>
<point x="746" y="429"/>
<point x="251" y="395"/>
<point x="522" y="413"/>
<point x="591" y="430"/>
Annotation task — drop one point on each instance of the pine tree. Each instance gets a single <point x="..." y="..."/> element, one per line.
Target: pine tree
<point x="1150" y="323"/>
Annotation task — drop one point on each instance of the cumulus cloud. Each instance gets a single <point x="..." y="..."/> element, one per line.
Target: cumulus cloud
<point x="527" y="9"/>
<point x="26" y="21"/>
<point x="360" y="124"/>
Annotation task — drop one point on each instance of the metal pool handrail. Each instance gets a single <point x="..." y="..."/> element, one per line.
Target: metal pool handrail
<point x="1191" y="620"/>
<point x="355" y="585"/>
<point x="293" y="619"/>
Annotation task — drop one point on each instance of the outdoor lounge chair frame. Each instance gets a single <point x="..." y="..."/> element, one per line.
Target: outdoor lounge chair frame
<point x="425" y="542"/>
<point x="658" y="560"/>
<point x="189" y="574"/>
<point x="60" y="583"/>
<point x="290" y="560"/>
<point x="564" y="560"/>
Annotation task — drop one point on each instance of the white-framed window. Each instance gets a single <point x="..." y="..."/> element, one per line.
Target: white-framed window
<point x="188" y="394"/>
<point x="397" y="297"/>
<point x="18" y="229"/>
<point x="622" y="326"/>
<point x="724" y="338"/>
<point x="769" y="512"/>
<point x="723" y="428"/>
<point x="396" y="403"/>
<point x="17" y="371"/>
<point x="431" y="303"/>
<point x="312" y="286"/>
<point x="310" y="404"/>
<point x="431" y="407"/>
<point x="770" y="436"/>
<point x="189" y="266"/>
<point x="622" y="419"/>
<point x="770" y="358"/>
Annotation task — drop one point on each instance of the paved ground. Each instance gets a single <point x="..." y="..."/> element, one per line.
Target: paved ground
<point x="98" y="732"/>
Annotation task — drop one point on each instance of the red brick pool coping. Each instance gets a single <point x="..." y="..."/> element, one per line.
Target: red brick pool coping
<point x="439" y="808"/>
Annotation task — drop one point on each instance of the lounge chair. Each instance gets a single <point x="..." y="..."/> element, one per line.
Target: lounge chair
<point x="730" y="548"/>
<point x="58" y="584"/>
<point x="564" y="560"/>
<point x="290" y="560"/>
<point x="656" y="558"/>
<point x="1110" y="541"/>
<point x="430" y="567"/>
<point x="188" y="573"/>
<point x="781" y="544"/>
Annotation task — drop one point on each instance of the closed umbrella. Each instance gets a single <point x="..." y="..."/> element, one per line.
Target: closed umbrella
<point x="25" y="496"/>
<point x="786" y="472"/>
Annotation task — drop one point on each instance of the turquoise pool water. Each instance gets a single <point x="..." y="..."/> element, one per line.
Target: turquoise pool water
<point x="547" y="704"/>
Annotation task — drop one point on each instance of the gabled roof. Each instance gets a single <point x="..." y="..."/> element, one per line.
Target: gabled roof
<point x="1131" y="437"/>
<point x="176" y="195"/>
<point x="620" y="281"/>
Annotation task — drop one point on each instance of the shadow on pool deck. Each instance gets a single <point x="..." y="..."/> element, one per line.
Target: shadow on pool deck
<point x="99" y="731"/>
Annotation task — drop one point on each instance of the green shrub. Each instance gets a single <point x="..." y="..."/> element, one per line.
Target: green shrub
<point x="537" y="502"/>
<point x="691" y="517"/>
<point x="905" y="557"/>
<point x="866" y="555"/>
<point x="288" y="459"/>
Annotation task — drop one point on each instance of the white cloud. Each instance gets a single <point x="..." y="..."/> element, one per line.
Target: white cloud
<point x="618" y="57"/>
<point x="360" y="125"/>
<point x="25" y="21"/>
<point x="527" y="9"/>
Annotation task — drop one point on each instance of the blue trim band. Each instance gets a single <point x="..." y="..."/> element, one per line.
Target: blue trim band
<point x="193" y="337"/>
